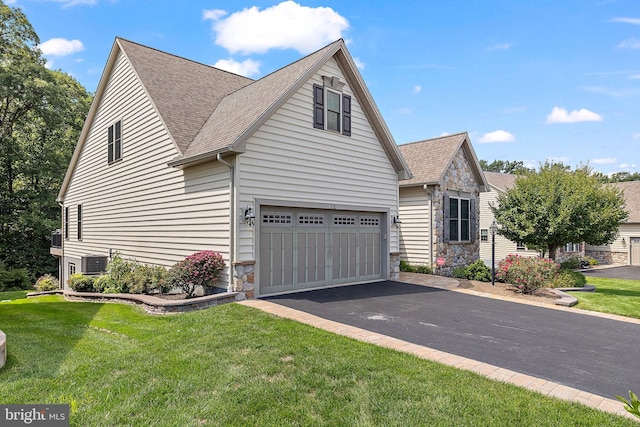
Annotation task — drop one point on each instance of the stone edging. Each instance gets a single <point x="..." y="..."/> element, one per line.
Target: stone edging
<point x="3" y="349"/>
<point x="567" y="300"/>
<point x="150" y="303"/>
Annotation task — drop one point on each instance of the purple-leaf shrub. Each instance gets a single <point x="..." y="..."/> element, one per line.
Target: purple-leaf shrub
<point x="199" y="269"/>
<point x="527" y="274"/>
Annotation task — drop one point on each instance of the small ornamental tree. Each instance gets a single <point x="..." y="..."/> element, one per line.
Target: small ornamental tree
<point x="200" y="269"/>
<point x="554" y="206"/>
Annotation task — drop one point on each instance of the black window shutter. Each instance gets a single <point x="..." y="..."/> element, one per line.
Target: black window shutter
<point x="110" y="144"/>
<point x="447" y="219"/>
<point x="472" y="220"/>
<point x="117" y="149"/>
<point x="346" y="115"/>
<point x="318" y="106"/>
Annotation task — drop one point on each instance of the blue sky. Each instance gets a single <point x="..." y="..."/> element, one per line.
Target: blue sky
<point x="529" y="80"/>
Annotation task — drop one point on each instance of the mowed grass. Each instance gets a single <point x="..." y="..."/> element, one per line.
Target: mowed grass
<point x="233" y="365"/>
<point x="615" y="296"/>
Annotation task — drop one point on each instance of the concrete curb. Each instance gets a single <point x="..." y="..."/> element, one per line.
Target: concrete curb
<point x="567" y="300"/>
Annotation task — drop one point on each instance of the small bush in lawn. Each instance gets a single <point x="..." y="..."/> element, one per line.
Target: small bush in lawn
<point x="14" y="279"/>
<point x="571" y="263"/>
<point x="526" y="274"/>
<point x="148" y="279"/>
<point x="479" y="271"/>
<point x="103" y="282"/>
<point x="47" y="283"/>
<point x="80" y="283"/>
<point x="200" y="269"/>
<point x="569" y="279"/>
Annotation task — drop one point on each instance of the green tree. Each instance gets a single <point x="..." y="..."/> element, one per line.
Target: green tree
<point x="504" y="166"/>
<point x="555" y="206"/>
<point x="41" y="116"/>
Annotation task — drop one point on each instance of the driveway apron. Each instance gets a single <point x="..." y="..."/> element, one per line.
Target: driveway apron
<point x="589" y="353"/>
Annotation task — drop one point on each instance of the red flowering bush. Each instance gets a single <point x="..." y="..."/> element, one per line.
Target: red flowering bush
<point x="527" y="274"/>
<point x="200" y="269"/>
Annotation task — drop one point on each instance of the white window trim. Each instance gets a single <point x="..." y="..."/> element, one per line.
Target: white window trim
<point x="326" y="110"/>
<point x="459" y="219"/>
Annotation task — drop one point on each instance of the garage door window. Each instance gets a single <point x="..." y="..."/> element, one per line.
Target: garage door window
<point x="345" y="220"/>
<point x="306" y="219"/>
<point x="277" y="218"/>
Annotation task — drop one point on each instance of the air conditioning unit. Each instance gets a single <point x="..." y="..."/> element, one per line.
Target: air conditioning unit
<point x="94" y="264"/>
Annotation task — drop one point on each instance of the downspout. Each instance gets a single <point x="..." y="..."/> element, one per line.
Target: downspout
<point x="232" y="218"/>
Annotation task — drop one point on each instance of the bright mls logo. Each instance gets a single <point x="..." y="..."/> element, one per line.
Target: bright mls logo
<point x="35" y="415"/>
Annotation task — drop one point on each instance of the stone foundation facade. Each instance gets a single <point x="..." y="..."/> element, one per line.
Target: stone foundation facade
<point x="609" y="257"/>
<point x="244" y="278"/>
<point x="459" y="181"/>
<point x="394" y="266"/>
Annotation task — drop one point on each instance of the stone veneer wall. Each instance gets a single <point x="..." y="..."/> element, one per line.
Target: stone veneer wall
<point x="394" y="266"/>
<point x="244" y="278"/>
<point x="610" y="257"/>
<point x="459" y="178"/>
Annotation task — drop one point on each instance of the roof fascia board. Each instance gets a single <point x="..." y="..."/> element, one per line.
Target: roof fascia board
<point x="475" y="165"/>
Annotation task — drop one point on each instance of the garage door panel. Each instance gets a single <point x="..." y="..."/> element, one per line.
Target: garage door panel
<point x="306" y="248"/>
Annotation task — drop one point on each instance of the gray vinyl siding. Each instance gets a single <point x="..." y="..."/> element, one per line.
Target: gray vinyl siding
<point x="504" y="246"/>
<point x="415" y="230"/>
<point x="139" y="206"/>
<point x="288" y="160"/>
<point x="626" y="232"/>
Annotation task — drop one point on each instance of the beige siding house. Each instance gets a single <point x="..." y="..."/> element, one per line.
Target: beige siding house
<point x="293" y="177"/>
<point x="498" y="183"/>
<point x="625" y="249"/>
<point x="439" y="209"/>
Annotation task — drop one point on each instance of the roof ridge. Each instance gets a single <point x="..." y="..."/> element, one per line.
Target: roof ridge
<point x="183" y="58"/>
<point x="433" y="139"/>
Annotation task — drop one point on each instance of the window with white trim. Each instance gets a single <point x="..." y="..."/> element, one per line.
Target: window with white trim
<point x="458" y="219"/>
<point x="331" y="107"/>
<point x="484" y="235"/>
<point x="72" y="269"/>
<point x="520" y="246"/>
<point x="572" y="247"/>
<point x="79" y="222"/>
<point x="114" y="142"/>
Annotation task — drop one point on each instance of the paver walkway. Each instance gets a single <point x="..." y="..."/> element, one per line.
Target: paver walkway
<point x="491" y="371"/>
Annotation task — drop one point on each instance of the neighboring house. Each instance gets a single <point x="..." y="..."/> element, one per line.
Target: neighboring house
<point x="292" y="177"/>
<point x="498" y="183"/>
<point x="439" y="209"/>
<point x="625" y="249"/>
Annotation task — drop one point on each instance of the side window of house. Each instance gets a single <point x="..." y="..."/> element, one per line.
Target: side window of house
<point x="459" y="217"/>
<point x="114" y="142"/>
<point x="332" y="108"/>
<point x="484" y="235"/>
<point x="79" y="222"/>
<point x="72" y="269"/>
<point x="572" y="247"/>
<point x="66" y="222"/>
<point x="520" y="246"/>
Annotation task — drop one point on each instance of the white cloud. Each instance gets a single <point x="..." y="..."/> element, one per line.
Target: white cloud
<point x="500" y="46"/>
<point x="627" y="165"/>
<point x="496" y="136"/>
<point x="560" y="115"/>
<point x="445" y="133"/>
<point x="604" y="161"/>
<point x="359" y="63"/>
<point x="417" y="89"/>
<point x="61" y="47"/>
<point x="609" y="92"/>
<point x="287" y="25"/>
<point x="631" y="43"/>
<point x="624" y="20"/>
<point x="246" y="68"/>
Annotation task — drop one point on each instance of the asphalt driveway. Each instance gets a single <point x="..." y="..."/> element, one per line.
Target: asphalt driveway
<point x="585" y="352"/>
<point x="629" y="272"/>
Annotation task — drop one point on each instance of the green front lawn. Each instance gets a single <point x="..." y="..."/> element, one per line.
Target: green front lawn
<point x="233" y="365"/>
<point x="615" y="296"/>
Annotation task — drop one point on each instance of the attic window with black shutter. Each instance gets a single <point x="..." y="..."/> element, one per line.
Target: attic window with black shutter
<point x="114" y="142"/>
<point x="332" y="108"/>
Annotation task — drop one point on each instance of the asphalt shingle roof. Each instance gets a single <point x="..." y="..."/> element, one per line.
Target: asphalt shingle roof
<point x="502" y="181"/>
<point x="631" y="190"/>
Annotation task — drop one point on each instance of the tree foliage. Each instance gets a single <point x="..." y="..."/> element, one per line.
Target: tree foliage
<point x="555" y="206"/>
<point x="504" y="166"/>
<point x="41" y="116"/>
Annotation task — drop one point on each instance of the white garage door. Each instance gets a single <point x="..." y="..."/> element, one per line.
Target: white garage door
<point x="306" y="248"/>
<point x="635" y="250"/>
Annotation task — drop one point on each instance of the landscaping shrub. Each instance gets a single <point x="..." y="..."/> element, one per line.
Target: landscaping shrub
<point x="569" y="279"/>
<point x="459" y="272"/>
<point x="47" y="283"/>
<point x="149" y="279"/>
<point x="571" y="263"/>
<point x="199" y="269"/>
<point x="80" y="283"/>
<point x="15" y="279"/>
<point x="479" y="271"/>
<point x="104" y="284"/>
<point x="405" y="267"/>
<point x="121" y="273"/>
<point x="632" y="405"/>
<point x="526" y="274"/>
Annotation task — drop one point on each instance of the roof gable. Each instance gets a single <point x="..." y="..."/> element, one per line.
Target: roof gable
<point x="631" y="191"/>
<point x="500" y="181"/>
<point x="430" y="159"/>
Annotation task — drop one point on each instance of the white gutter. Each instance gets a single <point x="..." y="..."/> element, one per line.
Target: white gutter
<point x="232" y="218"/>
